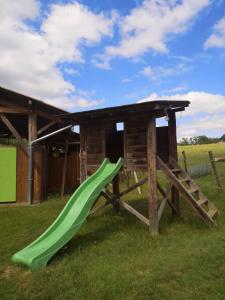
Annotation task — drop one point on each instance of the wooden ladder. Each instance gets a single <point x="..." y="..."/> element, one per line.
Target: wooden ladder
<point x="205" y="209"/>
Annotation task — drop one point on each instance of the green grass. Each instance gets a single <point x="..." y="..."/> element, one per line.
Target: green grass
<point x="114" y="257"/>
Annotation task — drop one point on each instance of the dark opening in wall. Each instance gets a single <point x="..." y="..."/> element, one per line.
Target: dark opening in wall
<point x="115" y="143"/>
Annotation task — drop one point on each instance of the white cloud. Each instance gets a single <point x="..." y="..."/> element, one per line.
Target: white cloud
<point x="213" y="125"/>
<point x="69" y="103"/>
<point x="176" y="89"/>
<point x="30" y="58"/>
<point x="150" y="25"/>
<point x="125" y="80"/>
<point x="72" y="71"/>
<point x="155" y="73"/>
<point x="205" y="115"/>
<point x="217" y="38"/>
<point x="201" y="102"/>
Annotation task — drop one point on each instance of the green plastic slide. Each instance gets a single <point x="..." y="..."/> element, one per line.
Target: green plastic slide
<point x="63" y="229"/>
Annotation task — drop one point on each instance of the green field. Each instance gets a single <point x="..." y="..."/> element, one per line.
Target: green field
<point x="114" y="257"/>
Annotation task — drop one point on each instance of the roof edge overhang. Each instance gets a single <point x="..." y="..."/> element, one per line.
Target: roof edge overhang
<point x="157" y="108"/>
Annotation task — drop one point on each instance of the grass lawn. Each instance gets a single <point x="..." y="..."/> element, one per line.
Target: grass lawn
<point x="114" y="257"/>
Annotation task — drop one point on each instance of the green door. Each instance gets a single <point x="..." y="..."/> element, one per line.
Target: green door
<point x="7" y="174"/>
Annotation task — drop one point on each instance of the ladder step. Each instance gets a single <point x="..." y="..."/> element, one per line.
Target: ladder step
<point x="202" y="201"/>
<point x="212" y="213"/>
<point x="186" y="186"/>
<point x="185" y="180"/>
<point x="176" y="170"/>
<point x="193" y="190"/>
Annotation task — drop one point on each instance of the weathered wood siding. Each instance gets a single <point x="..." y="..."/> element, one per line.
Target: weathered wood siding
<point x="135" y="144"/>
<point x="22" y="175"/>
<point x="55" y="172"/>
<point x="95" y="147"/>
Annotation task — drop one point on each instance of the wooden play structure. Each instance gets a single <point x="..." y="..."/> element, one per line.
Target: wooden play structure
<point x="63" y="158"/>
<point x="144" y="146"/>
<point x="56" y="159"/>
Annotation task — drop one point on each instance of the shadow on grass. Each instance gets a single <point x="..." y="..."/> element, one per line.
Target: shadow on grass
<point x="107" y="222"/>
<point x="96" y="235"/>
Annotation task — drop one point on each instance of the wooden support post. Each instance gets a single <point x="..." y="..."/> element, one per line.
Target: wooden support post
<point x="185" y="161"/>
<point x="116" y="190"/>
<point x="152" y="177"/>
<point x="214" y="169"/>
<point x="64" y="169"/>
<point x="13" y="130"/>
<point x="32" y="124"/>
<point x="173" y="155"/>
<point x="83" y="154"/>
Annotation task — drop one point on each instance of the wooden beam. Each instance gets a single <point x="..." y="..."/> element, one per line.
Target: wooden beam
<point x="219" y="158"/>
<point x="7" y="102"/>
<point x="110" y="197"/>
<point x="32" y="123"/>
<point x="64" y="169"/>
<point x="163" y="193"/>
<point x="48" y="116"/>
<point x="116" y="190"/>
<point x="97" y="208"/>
<point x="131" y="188"/>
<point x="83" y="154"/>
<point x="152" y="177"/>
<point x="14" y="110"/>
<point x="13" y="130"/>
<point x="47" y="126"/>
<point x="134" y="212"/>
<point x="163" y="203"/>
<point x="173" y="155"/>
<point x="136" y="180"/>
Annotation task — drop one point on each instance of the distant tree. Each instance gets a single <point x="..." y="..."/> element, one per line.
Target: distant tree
<point x="184" y="141"/>
<point x="193" y="140"/>
<point x="203" y="139"/>
<point x="223" y="138"/>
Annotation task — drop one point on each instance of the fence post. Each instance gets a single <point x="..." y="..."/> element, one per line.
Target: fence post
<point x="214" y="169"/>
<point x="185" y="161"/>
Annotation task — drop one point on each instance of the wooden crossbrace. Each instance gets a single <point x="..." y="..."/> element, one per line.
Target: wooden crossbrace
<point x="112" y="198"/>
<point x="164" y="200"/>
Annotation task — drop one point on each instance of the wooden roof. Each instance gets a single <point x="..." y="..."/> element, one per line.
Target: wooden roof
<point x="11" y="101"/>
<point x="11" y="97"/>
<point x="120" y="113"/>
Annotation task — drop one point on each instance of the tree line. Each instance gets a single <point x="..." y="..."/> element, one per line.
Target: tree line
<point x="200" y="140"/>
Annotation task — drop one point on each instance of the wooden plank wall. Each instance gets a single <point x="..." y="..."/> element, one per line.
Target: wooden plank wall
<point x="55" y="170"/>
<point x="95" y="143"/>
<point x="22" y="175"/>
<point x="135" y="144"/>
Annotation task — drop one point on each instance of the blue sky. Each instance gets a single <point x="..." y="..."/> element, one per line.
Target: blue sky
<point x="91" y="54"/>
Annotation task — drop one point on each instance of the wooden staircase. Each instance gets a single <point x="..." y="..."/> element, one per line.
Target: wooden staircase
<point x="205" y="209"/>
